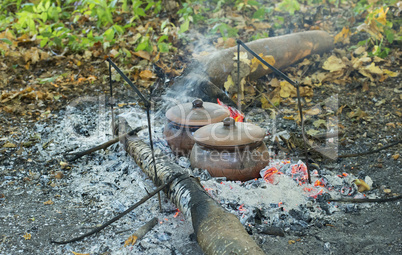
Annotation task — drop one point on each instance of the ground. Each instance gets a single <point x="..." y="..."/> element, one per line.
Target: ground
<point x="41" y="198"/>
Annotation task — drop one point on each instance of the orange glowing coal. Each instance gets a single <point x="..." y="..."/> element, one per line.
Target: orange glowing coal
<point x="318" y="183"/>
<point x="234" y="113"/>
<point x="269" y="175"/>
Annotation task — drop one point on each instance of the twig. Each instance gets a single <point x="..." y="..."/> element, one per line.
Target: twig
<point x="363" y="200"/>
<point x="143" y="200"/>
<point x="141" y="232"/>
<point x="369" y="152"/>
<point x="103" y="145"/>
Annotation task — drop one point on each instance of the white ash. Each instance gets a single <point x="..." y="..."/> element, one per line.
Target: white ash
<point x="262" y="195"/>
<point x="108" y="182"/>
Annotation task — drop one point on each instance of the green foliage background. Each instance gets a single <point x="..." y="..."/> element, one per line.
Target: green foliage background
<point x="68" y="24"/>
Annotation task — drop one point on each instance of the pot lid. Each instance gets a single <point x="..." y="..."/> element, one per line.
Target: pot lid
<point x="197" y="113"/>
<point x="229" y="133"/>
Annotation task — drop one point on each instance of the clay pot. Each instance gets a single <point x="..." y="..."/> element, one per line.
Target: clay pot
<point x="230" y="149"/>
<point x="184" y="119"/>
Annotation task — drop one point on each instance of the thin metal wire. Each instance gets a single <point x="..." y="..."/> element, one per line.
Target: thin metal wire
<point x="111" y="98"/>
<point x="239" y="91"/>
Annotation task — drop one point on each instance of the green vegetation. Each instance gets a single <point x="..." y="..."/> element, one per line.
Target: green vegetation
<point x="57" y="24"/>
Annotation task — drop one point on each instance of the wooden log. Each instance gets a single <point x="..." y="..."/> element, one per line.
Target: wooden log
<point x="286" y="50"/>
<point x="217" y="231"/>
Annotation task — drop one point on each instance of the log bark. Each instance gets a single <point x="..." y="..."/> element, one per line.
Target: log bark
<point x="286" y="50"/>
<point x="217" y="231"/>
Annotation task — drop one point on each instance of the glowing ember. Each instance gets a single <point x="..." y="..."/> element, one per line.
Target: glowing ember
<point x="299" y="173"/>
<point x="343" y="175"/>
<point x="269" y="174"/>
<point x="321" y="182"/>
<point x="241" y="208"/>
<point x="234" y="113"/>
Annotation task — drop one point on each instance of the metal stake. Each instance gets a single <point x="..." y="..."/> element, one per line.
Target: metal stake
<point x="147" y="104"/>
<point x="299" y="105"/>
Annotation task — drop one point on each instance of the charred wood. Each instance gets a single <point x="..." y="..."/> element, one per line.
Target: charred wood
<point x="217" y="231"/>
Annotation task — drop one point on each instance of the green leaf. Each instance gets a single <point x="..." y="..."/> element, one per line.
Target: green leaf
<point x="43" y="42"/>
<point x="184" y="27"/>
<point x="127" y="52"/>
<point x="118" y="29"/>
<point x="58" y="41"/>
<point x="389" y="34"/>
<point x="253" y="2"/>
<point x="109" y="34"/>
<point x="6" y="41"/>
<point x="162" y="38"/>
<point x="259" y="14"/>
<point x="163" y="47"/>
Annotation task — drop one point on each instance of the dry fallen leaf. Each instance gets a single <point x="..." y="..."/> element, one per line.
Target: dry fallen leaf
<point x="49" y="202"/>
<point x="229" y="83"/>
<point x="142" y="54"/>
<point x="243" y="57"/>
<point x="9" y="145"/>
<point x="343" y="36"/>
<point x="318" y="123"/>
<point x="286" y="89"/>
<point x="77" y="253"/>
<point x="64" y="165"/>
<point x="312" y="111"/>
<point x="361" y="185"/>
<point x="360" y="50"/>
<point x="358" y="114"/>
<point x="369" y="70"/>
<point x="395" y="157"/>
<point x="312" y="132"/>
<point x="334" y="64"/>
<point x="255" y="62"/>
<point x="147" y="75"/>
<point x="390" y="73"/>
<point x="59" y="175"/>
<point x="131" y="240"/>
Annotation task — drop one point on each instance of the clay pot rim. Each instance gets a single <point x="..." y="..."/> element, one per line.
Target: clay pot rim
<point x="250" y="146"/>
<point x="212" y="112"/>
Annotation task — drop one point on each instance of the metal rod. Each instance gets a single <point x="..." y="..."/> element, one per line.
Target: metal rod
<point x="111" y="96"/>
<point x="299" y="105"/>
<point x="153" y="154"/>
<point x="146" y="102"/>
<point x="284" y="76"/>
<point x="239" y="91"/>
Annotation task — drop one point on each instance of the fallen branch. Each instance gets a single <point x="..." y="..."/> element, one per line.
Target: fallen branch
<point x="286" y="50"/>
<point x="365" y="200"/>
<point x="370" y="152"/>
<point x="217" y="231"/>
<point x="96" y="230"/>
<point x="141" y="232"/>
<point x="103" y="146"/>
